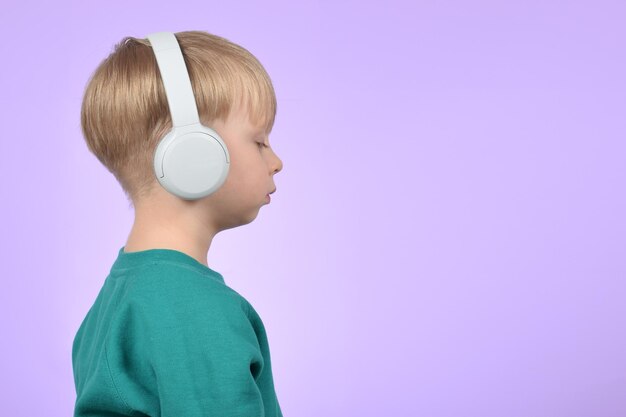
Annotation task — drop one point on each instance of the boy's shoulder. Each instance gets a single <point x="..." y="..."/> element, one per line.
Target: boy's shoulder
<point x="171" y="288"/>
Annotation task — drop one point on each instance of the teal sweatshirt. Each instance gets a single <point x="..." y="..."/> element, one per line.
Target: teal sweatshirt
<point x="167" y="337"/>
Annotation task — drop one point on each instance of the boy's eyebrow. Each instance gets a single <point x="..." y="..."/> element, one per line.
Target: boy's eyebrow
<point x="257" y="131"/>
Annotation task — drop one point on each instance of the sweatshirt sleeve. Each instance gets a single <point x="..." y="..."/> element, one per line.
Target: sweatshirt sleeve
<point x="195" y="352"/>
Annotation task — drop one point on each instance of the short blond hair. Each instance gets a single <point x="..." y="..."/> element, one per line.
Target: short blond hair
<point x="125" y="113"/>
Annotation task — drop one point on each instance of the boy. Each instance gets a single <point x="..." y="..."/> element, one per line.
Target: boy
<point x="166" y="336"/>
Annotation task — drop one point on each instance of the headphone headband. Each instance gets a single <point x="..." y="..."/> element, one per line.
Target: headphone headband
<point x="171" y="63"/>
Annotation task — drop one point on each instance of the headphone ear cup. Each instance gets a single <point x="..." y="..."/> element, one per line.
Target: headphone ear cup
<point x="191" y="165"/>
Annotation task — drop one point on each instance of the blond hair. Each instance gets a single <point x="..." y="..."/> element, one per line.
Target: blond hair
<point x="125" y="112"/>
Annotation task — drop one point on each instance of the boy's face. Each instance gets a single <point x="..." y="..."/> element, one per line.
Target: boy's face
<point x="253" y="164"/>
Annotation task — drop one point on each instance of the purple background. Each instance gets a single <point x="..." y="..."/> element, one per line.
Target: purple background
<point x="448" y="234"/>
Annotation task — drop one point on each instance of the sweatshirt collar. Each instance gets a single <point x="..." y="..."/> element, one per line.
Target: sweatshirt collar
<point x="126" y="260"/>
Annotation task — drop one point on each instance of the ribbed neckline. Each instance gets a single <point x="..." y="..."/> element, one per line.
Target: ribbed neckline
<point x="126" y="260"/>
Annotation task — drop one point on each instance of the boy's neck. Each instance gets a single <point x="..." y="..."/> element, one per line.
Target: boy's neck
<point x="182" y="237"/>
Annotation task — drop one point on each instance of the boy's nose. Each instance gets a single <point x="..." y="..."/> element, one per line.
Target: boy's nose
<point x="279" y="166"/>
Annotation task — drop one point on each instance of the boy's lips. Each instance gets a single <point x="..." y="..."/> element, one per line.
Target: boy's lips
<point x="267" y="196"/>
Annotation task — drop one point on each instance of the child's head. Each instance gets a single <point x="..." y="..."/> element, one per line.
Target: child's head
<point x="125" y="113"/>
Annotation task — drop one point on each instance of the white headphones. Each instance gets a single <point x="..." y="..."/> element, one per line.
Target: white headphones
<point x="191" y="161"/>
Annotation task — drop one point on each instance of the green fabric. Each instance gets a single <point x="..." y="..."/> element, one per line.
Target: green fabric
<point x="167" y="337"/>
